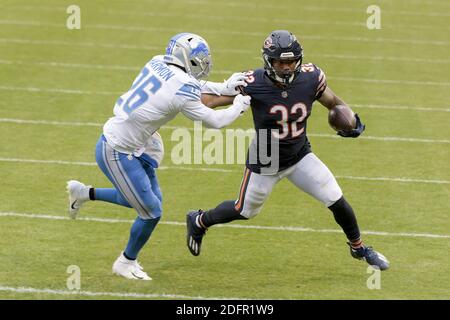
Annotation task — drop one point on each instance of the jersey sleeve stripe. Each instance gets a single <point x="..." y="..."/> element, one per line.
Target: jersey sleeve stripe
<point x="188" y="95"/>
<point x="322" y="77"/>
<point x="322" y="83"/>
<point x="190" y="90"/>
<point x="321" y="86"/>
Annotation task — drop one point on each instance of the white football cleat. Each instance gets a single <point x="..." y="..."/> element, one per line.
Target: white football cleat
<point x="129" y="269"/>
<point x="78" y="194"/>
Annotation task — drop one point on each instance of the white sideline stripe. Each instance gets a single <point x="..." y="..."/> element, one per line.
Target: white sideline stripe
<point x="235" y="226"/>
<point x="80" y="163"/>
<point x="320" y="135"/>
<point x="110" y="294"/>
<point x="118" y="67"/>
<point x="221" y="32"/>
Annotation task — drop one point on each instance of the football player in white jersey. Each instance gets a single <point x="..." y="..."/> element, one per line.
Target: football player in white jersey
<point x="166" y="86"/>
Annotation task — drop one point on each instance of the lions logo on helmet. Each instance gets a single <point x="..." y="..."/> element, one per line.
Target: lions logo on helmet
<point x="190" y="52"/>
<point x="279" y="45"/>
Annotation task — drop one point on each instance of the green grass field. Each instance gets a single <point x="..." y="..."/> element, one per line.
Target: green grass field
<point x="58" y="86"/>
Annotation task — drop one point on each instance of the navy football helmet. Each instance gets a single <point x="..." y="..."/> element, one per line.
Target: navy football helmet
<point x="282" y="45"/>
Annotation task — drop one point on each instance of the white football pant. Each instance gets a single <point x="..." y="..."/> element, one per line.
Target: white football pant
<point x="309" y="174"/>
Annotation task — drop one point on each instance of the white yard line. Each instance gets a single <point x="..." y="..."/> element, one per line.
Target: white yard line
<point x="389" y="81"/>
<point x="121" y="68"/>
<point x="57" y="64"/>
<point x="56" y="90"/>
<point x="52" y="123"/>
<point x="79" y="44"/>
<point x="246" y="5"/>
<point x="233" y="226"/>
<point x="319" y="135"/>
<point x="132" y="295"/>
<point x="147" y="48"/>
<point x="196" y="168"/>
<point x="225" y="33"/>
<point x="396" y="107"/>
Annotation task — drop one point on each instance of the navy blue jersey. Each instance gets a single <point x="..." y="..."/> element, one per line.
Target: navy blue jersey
<point x="281" y="113"/>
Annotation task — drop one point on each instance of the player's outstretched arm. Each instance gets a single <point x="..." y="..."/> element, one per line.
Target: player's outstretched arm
<point x="213" y="101"/>
<point x="330" y="100"/>
<point x="217" y="119"/>
<point x="216" y="94"/>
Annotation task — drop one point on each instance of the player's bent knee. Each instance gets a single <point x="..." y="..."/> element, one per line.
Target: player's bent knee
<point x="250" y="213"/>
<point x="332" y="195"/>
<point x="152" y="209"/>
<point x="252" y="205"/>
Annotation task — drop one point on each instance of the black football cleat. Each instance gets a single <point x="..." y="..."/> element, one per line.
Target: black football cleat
<point x="194" y="232"/>
<point x="375" y="259"/>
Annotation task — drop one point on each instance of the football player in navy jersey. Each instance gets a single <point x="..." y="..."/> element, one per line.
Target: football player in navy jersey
<point x="282" y="94"/>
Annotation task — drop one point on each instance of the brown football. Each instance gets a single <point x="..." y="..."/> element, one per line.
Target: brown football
<point x="341" y="118"/>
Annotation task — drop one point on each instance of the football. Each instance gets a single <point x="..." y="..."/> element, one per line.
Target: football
<point x="341" y="118"/>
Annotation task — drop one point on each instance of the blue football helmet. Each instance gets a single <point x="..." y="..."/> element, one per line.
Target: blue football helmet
<point x="190" y="52"/>
<point x="279" y="45"/>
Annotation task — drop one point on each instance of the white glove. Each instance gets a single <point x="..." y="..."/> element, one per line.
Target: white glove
<point x="242" y="102"/>
<point x="229" y="86"/>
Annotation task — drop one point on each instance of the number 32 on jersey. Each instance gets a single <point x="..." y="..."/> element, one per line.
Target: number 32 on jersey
<point x="291" y="128"/>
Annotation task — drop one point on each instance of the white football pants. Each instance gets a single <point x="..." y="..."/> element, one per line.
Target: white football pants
<point x="309" y="174"/>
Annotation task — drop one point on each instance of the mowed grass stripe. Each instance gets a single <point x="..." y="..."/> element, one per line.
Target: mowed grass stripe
<point x="235" y="226"/>
<point x="196" y="168"/>
<point x="319" y="135"/>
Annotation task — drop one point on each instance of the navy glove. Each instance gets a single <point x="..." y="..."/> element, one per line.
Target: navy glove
<point x="354" y="133"/>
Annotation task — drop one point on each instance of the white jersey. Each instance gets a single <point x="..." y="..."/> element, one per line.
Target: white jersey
<point x="157" y="95"/>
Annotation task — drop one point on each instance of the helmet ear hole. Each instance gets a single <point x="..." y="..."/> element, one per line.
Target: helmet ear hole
<point x="193" y="63"/>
